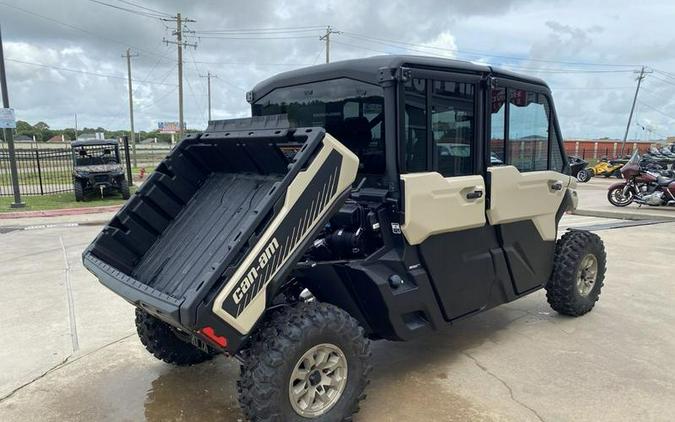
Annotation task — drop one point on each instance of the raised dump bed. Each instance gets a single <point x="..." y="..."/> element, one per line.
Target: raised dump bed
<point x="199" y="213"/>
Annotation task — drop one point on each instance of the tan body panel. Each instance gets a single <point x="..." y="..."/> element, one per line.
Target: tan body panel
<point x="350" y="162"/>
<point x="435" y="204"/>
<point x="516" y="196"/>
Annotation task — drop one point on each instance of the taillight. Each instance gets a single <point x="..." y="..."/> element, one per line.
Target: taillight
<point x="211" y="334"/>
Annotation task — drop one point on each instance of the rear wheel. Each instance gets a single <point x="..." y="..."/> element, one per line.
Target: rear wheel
<point x="578" y="273"/>
<point x="310" y="362"/>
<point x="124" y="188"/>
<point x="79" y="190"/>
<point x="617" y="197"/>
<point x="165" y="343"/>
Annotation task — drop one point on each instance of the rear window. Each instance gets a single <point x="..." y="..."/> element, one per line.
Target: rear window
<point x="351" y="111"/>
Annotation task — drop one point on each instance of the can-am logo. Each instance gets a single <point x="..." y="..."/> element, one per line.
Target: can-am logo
<point x="253" y="273"/>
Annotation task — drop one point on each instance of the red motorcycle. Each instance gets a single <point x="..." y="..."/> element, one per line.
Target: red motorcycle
<point x="642" y="187"/>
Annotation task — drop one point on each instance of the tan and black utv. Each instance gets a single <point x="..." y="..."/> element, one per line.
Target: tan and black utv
<point x="380" y="198"/>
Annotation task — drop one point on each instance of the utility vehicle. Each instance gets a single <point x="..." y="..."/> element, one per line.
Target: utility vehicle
<point x="97" y="168"/>
<point x="344" y="211"/>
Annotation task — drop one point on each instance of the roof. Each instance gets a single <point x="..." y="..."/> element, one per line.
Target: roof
<point x="367" y="69"/>
<point x="93" y="142"/>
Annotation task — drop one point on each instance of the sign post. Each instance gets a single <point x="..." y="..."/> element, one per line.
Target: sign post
<point x="10" y="122"/>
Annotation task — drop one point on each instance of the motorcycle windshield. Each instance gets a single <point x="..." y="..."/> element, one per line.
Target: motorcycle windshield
<point x="634" y="159"/>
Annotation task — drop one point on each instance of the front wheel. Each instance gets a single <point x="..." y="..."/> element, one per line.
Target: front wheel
<point x="578" y="273"/>
<point x="584" y="175"/>
<point x="79" y="190"/>
<point x="124" y="189"/>
<point x="619" y="198"/>
<point x="309" y="363"/>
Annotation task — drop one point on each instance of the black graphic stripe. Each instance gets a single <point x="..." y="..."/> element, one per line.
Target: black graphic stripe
<point x="301" y="218"/>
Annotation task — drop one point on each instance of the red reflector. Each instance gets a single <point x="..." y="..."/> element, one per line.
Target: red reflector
<point x="219" y="340"/>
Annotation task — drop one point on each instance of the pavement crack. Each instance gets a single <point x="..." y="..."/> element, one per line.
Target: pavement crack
<point x="65" y="362"/>
<point x="75" y="343"/>
<point x="39" y="377"/>
<point x="504" y="383"/>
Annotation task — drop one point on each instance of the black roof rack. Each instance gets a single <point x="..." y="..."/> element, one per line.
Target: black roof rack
<point x="93" y="142"/>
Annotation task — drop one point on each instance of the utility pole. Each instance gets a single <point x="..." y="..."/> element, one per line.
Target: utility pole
<point x="208" y="77"/>
<point x="180" y="43"/>
<point x="128" y="55"/>
<point x="326" y="38"/>
<point x="632" y="108"/>
<point x="9" y="135"/>
<point x="76" y="126"/>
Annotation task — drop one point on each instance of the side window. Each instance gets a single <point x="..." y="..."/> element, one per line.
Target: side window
<point x="415" y="125"/>
<point x="497" y="126"/>
<point x="528" y="130"/>
<point x="452" y="124"/>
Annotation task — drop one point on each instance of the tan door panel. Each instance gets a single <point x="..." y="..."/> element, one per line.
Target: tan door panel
<point x="435" y="204"/>
<point x="516" y="196"/>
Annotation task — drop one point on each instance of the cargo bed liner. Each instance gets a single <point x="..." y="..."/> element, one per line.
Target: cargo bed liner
<point x="203" y="232"/>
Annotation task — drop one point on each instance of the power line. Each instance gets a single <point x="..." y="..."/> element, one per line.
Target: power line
<point x="219" y="37"/>
<point x="262" y="30"/>
<point x="143" y="7"/>
<point x="85" y="72"/>
<point x="531" y="69"/>
<point x="132" y="11"/>
<point x="475" y="52"/>
<point x="656" y="110"/>
<point x="77" y="28"/>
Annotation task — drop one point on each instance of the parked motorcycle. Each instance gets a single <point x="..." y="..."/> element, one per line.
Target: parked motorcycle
<point x="606" y="168"/>
<point x="578" y="168"/>
<point x="641" y="186"/>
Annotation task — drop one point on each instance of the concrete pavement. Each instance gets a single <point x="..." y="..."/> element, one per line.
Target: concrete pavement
<point x="70" y="350"/>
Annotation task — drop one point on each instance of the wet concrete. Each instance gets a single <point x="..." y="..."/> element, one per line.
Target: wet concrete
<point x="520" y="361"/>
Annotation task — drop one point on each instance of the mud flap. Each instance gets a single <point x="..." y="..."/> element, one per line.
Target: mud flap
<point x="308" y="199"/>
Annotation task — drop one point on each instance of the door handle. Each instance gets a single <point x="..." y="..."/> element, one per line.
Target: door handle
<point x="474" y="195"/>
<point x="557" y="185"/>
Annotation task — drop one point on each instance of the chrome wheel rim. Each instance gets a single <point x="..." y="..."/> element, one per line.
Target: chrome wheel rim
<point x="620" y="198"/>
<point x="318" y="380"/>
<point x="587" y="274"/>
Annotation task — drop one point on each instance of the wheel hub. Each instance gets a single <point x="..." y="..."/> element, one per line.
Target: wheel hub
<point x="587" y="274"/>
<point x="318" y="380"/>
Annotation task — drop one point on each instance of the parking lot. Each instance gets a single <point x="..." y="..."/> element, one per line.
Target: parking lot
<point x="70" y="345"/>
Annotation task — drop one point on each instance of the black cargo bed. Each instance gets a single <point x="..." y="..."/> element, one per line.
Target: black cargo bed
<point x="203" y="233"/>
<point x="182" y="233"/>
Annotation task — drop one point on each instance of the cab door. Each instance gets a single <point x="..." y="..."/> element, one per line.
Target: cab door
<point x="443" y="187"/>
<point x="525" y="179"/>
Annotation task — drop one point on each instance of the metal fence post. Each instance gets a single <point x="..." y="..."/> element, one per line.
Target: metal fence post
<point x="39" y="171"/>
<point x="125" y="140"/>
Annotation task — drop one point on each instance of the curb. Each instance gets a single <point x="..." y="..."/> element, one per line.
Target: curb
<point x="623" y="215"/>
<point x="58" y="213"/>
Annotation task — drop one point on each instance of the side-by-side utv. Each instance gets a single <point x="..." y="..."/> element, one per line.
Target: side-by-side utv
<point x="379" y="198"/>
<point x="97" y="167"/>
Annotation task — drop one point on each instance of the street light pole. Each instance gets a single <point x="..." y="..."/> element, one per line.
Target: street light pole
<point x="8" y="135"/>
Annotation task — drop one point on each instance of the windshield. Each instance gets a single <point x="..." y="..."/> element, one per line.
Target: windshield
<point x="95" y="155"/>
<point x="351" y="111"/>
<point x="634" y="159"/>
